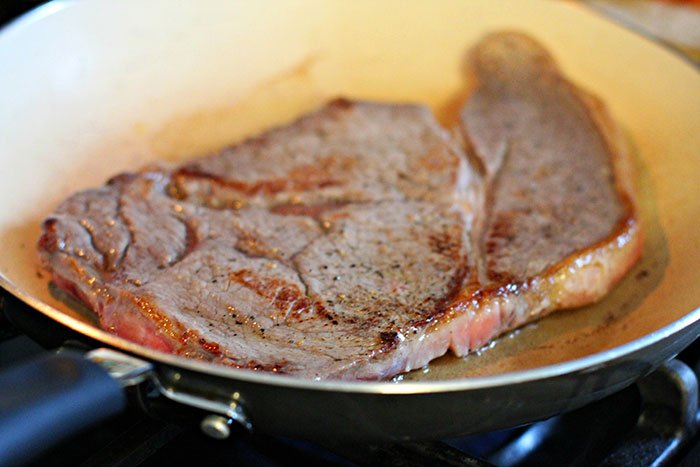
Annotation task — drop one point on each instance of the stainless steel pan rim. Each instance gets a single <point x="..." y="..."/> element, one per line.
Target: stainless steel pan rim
<point x="587" y="363"/>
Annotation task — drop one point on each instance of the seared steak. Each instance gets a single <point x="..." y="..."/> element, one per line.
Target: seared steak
<point x="309" y="250"/>
<point x="357" y="242"/>
<point x="348" y="152"/>
<point x="559" y="225"/>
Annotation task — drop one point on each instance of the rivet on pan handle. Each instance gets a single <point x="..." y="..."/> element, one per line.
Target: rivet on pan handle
<point x="130" y="371"/>
<point x="231" y="408"/>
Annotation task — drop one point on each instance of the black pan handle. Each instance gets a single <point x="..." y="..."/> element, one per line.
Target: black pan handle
<point x="50" y="398"/>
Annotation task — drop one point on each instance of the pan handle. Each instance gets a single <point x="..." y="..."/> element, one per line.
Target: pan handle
<point x="50" y="398"/>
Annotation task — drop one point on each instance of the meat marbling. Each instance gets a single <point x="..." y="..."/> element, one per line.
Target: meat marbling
<point x="358" y="242"/>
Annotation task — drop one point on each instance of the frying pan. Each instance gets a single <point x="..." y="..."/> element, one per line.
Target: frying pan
<point x="89" y="89"/>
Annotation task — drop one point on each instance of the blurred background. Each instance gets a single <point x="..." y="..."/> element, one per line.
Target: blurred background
<point x="675" y="23"/>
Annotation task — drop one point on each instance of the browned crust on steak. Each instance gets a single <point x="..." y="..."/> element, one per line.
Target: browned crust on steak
<point x="587" y="273"/>
<point x="278" y="273"/>
<point x="355" y="242"/>
<point x="346" y="151"/>
<point x="492" y="304"/>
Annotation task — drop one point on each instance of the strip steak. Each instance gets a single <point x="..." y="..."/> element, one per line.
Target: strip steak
<point x="358" y="242"/>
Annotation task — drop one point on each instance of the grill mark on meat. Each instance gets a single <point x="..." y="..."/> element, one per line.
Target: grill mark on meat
<point x="281" y="367"/>
<point x="155" y="315"/>
<point x="341" y="103"/>
<point x="190" y="337"/>
<point x="251" y="247"/>
<point x="388" y="340"/>
<point x="250" y="244"/>
<point x="434" y="159"/>
<point x="187" y="338"/>
<point x="444" y="306"/>
<point x="121" y="179"/>
<point x="48" y="240"/>
<point x="285" y="297"/>
<point x="247" y="244"/>
<point x="443" y="244"/>
<point x="211" y="347"/>
<point x="314" y="211"/>
<point x="299" y="179"/>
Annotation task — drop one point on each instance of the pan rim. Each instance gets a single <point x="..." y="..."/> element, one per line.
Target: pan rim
<point x="582" y="364"/>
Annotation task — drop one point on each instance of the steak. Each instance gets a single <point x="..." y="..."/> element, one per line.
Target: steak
<point x="361" y="240"/>
<point x="559" y="225"/>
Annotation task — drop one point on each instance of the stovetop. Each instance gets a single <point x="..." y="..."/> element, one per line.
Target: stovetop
<point x="650" y="423"/>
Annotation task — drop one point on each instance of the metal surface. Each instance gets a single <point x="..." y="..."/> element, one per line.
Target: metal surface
<point x="562" y="363"/>
<point x="216" y="426"/>
<point x="129" y="371"/>
<point x="562" y="440"/>
<point x="400" y="416"/>
<point x="220" y="403"/>
<point x="668" y="418"/>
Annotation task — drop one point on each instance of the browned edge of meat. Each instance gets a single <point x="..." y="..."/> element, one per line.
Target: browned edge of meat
<point x="493" y="307"/>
